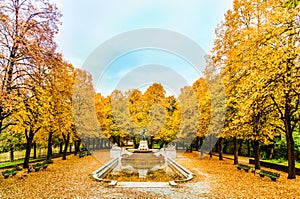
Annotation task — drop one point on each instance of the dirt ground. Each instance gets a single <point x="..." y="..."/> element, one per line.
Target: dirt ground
<point x="214" y="179"/>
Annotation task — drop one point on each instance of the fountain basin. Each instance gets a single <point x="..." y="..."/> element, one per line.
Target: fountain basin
<point x="143" y="161"/>
<point x="140" y="169"/>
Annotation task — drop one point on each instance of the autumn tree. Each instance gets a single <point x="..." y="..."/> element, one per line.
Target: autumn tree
<point x="154" y="106"/>
<point x="282" y="85"/>
<point x="204" y="102"/>
<point x="189" y="115"/>
<point x="172" y="120"/>
<point x="257" y="50"/>
<point x="137" y="114"/>
<point x="84" y="111"/>
<point x="227" y="57"/>
<point x="30" y="117"/>
<point x="125" y="115"/>
<point x="103" y="110"/>
<point x="120" y="122"/>
<point x="27" y="30"/>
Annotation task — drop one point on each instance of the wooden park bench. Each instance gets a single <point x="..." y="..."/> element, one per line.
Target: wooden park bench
<point x="272" y="175"/>
<point x="88" y="153"/>
<point x="11" y="172"/>
<point x="81" y="154"/>
<point x="38" y="166"/>
<point x="246" y="168"/>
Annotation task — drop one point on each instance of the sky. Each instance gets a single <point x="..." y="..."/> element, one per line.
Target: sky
<point x="88" y="25"/>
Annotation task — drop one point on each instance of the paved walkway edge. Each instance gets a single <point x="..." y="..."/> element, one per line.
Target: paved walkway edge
<point x="143" y="185"/>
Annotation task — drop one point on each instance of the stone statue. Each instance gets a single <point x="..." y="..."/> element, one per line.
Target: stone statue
<point x="143" y="134"/>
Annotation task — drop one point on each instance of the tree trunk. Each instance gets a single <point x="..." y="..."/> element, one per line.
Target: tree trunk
<point x="119" y="141"/>
<point x="134" y="142"/>
<point x="256" y="154"/>
<point x="77" y="146"/>
<point x="34" y="150"/>
<point x="248" y="148"/>
<point x="240" y="147"/>
<point x="201" y="142"/>
<point x="211" y="148"/>
<point x="66" y="141"/>
<point x="94" y="143"/>
<point x="152" y="142"/>
<point x="29" y="139"/>
<point x="201" y="150"/>
<point x="105" y="143"/>
<point x="61" y="144"/>
<point x="197" y="143"/>
<point x="290" y="151"/>
<point x="101" y="143"/>
<point x="98" y="143"/>
<point x="161" y="145"/>
<point x="12" y="154"/>
<point x="271" y="152"/>
<point x="86" y="144"/>
<point x="220" y="148"/>
<point x="235" y="152"/>
<point x="49" y="147"/>
<point x="216" y="147"/>
<point x="225" y="143"/>
<point x="70" y="148"/>
<point x="1" y="120"/>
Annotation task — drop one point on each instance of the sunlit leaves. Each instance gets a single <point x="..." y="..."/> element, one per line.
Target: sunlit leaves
<point x="256" y="51"/>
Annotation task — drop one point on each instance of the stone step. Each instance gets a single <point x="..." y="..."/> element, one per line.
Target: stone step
<point x="143" y="185"/>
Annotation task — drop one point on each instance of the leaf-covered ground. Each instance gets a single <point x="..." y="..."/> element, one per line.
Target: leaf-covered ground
<point x="214" y="179"/>
<point x="227" y="182"/>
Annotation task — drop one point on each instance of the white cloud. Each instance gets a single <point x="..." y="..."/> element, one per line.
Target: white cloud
<point x="87" y="24"/>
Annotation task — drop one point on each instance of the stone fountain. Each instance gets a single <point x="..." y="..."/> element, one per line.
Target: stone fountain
<point x="141" y="161"/>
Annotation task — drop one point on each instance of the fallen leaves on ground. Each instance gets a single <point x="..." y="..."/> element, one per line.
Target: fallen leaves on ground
<point x="214" y="179"/>
<point x="64" y="179"/>
<point x="228" y="182"/>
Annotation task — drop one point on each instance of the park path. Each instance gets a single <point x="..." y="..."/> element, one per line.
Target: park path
<point x="198" y="187"/>
<point x="214" y="179"/>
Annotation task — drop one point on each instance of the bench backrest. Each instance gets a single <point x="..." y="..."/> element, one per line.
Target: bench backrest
<point x="270" y="173"/>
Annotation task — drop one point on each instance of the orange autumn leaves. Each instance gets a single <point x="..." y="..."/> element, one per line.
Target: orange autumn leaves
<point x="165" y="118"/>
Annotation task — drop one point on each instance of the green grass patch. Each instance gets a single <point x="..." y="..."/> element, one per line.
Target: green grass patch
<point x="11" y="164"/>
<point x="19" y="155"/>
<point x="282" y="162"/>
